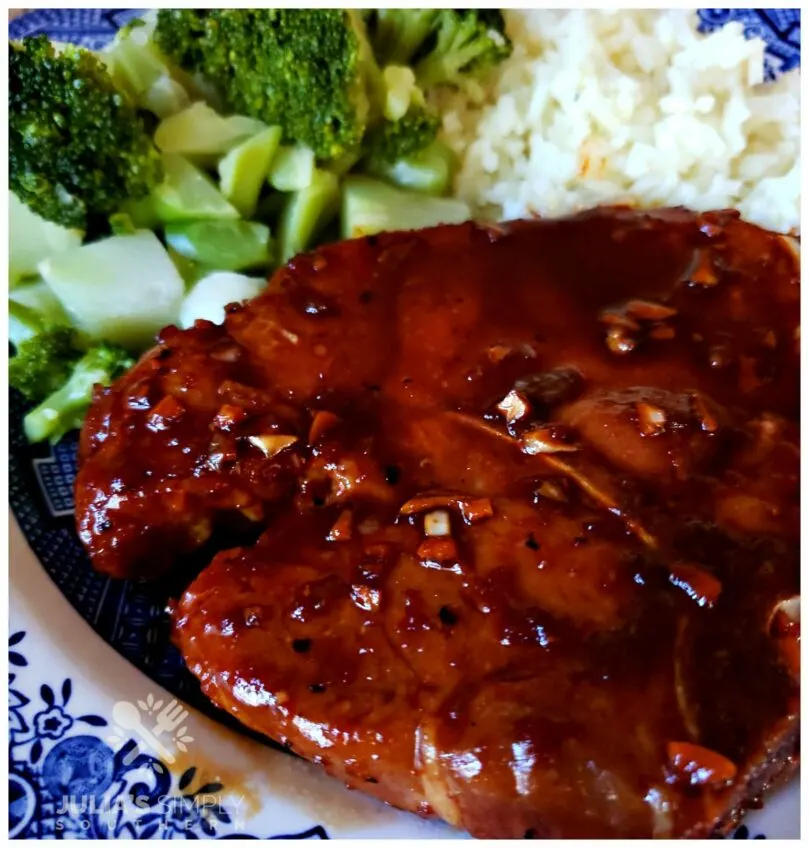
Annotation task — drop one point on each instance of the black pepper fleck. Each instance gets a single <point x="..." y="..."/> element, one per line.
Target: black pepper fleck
<point x="366" y="297"/>
<point x="317" y="688"/>
<point x="392" y="475"/>
<point x="447" y="616"/>
<point x="301" y="646"/>
<point x="531" y="543"/>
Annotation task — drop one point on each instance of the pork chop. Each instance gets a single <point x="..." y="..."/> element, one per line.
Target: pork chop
<point x="528" y="503"/>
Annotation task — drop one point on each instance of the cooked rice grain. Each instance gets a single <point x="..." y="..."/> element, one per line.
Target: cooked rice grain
<point x="635" y="107"/>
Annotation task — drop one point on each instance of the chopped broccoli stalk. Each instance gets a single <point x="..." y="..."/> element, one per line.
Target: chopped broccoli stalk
<point x="397" y="34"/>
<point x="31" y="239"/>
<point x="189" y="270"/>
<point x="310" y="71"/>
<point x="225" y="245"/>
<point x="370" y="206"/>
<point x="45" y="361"/>
<point x="429" y="171"/>
<point x="199" y="130"/>
<point x="77" y="146"/>
<point x="188" y="194"/>
<point x="122" y="289"/>
<point x="138" y="68"/>
<point x="65" y="407"/>
<point x="293" y="168"/>
<point x="209" y="297"/>
<point x="466" y="43"/>
<point x="307" y="212"/>
<point x="31" y="308"/>
<point x="243" y="171"/>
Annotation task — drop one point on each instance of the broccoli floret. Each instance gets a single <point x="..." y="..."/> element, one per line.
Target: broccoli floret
<point x="77" y="147"/>
<point x="309" y="71"/>
<point x="64" y="409"/>
<point x="466" y="43"/>
<point x="397" y="34"/>
<point x="44" y="362"/>
<point x="409" y="125"/>
<point x="392" y="140"/>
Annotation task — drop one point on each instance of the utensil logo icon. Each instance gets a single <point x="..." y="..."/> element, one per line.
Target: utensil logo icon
<point x="158" y="727"/>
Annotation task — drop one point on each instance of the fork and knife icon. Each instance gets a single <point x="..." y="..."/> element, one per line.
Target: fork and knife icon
<point x="127" y="716"/>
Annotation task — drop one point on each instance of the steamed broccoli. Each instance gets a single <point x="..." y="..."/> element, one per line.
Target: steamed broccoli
<point x="65" y="383"/>
<point x="392" y="140"/>
<point x="310" y="71"/>
<point x="397" y="34"/>
<point x="408" y="126"/>
<point x="44" y="362"/>
<point x="77" y="147"/>
<point x="466" y="43"/>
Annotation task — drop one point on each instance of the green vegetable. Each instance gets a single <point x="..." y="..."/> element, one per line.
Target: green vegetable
<point x="44" y="361"/>
<point x="189" y="270"/>
<point x="209" y="297"/>
<point x="32" y="307"/>
<point x="188" y="194"/>
<point x="64" y="409"/>
<point x="199" y="131"/>
<point x="32" y="239"/>
<point x="466" y="44"/>
<point x="142" y="213"/>
<point x="310" y="71"/>
<point x="121" y="224"/>
<point x="228" y="245"/>
<point x="410" y="125"/>
<point x="397" y="34"/>
<point x="138" y="68"/>
<point x="391" y="140"/>
<point x="122" y="289"/>
<point x="77" y="146"/>
<point x="307" y="212"/>
<point x="243" y="171"/>
<point x="293" y="168"/>
<point x="429" y="171"/>
<point x="165" y="97"/>
<point x="400" y="91"/>
<point x="370" y="206"/>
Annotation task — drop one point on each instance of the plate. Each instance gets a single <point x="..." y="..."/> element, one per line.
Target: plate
<point x="81" y="646"/>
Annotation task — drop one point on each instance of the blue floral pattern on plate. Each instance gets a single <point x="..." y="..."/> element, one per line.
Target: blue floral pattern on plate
<point x="66" y="782"/>
<point x="47" y="740"/>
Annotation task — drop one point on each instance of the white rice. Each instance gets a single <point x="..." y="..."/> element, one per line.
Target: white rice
<point x="635" y="107"/>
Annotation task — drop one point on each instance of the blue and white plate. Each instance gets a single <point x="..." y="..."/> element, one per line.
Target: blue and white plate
<point x="81" y="764"/>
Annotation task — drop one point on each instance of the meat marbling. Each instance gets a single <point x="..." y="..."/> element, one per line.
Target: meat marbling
<point x="597" y="420"/>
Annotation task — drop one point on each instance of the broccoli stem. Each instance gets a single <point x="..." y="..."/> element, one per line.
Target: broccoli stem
<point x="400" y="32"/>
<point x="307" y="212"/>
<point x="429" y="171"/>
<point x="65" y="408"/>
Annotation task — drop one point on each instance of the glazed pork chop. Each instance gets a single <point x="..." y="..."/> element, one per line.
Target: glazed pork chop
<point x="528" y="510"/>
